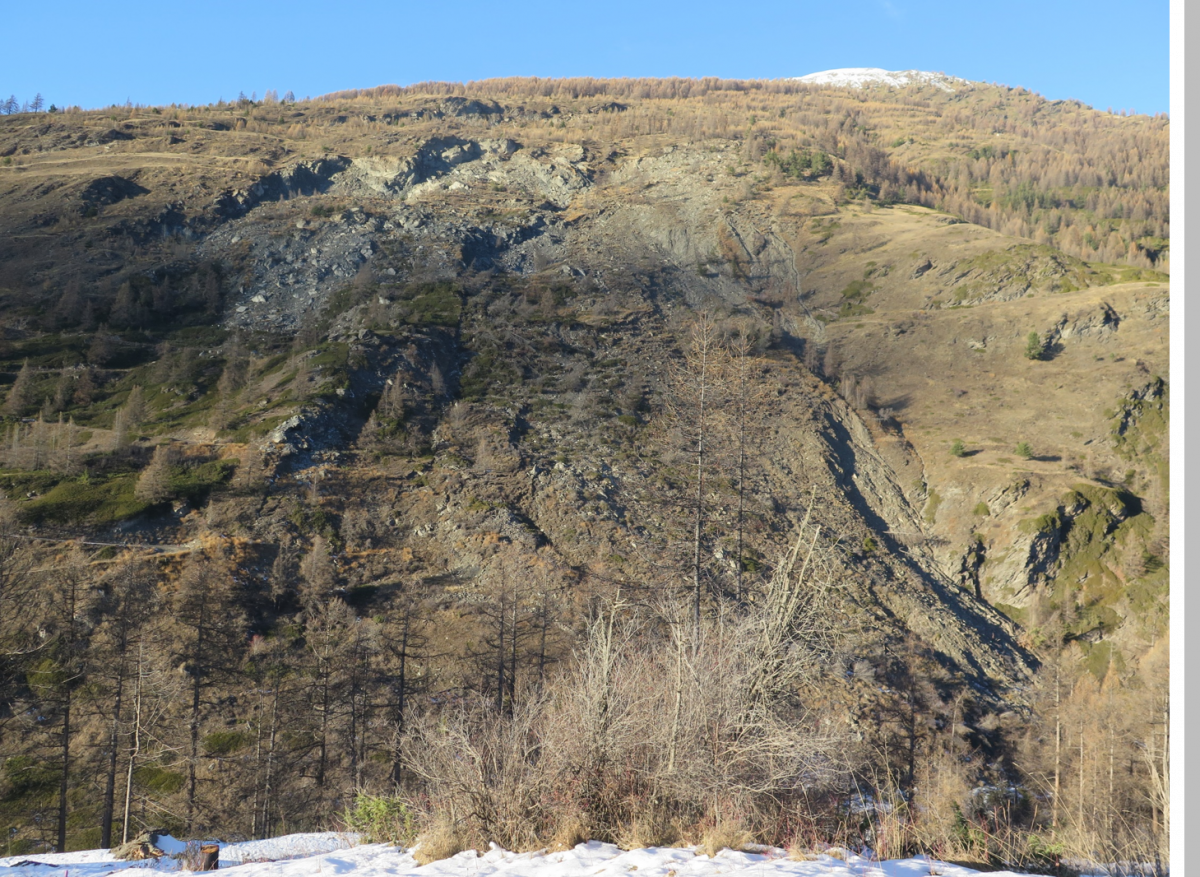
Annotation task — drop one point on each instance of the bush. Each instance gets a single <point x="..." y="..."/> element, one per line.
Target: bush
<point x="957" y="448"/>
<point x="380" y="819"/>
<point x="1035" y="348"/>
<point x="965" y="835"/>
<point x="1023" y="450"/>
<point x="225" y="742"/>
<point x="432" y="304"/>
<point x="649" y="826"/>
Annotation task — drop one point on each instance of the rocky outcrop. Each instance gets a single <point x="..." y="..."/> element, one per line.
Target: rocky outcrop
<point x="109" y="190"/>
<point x="304" y="178"/>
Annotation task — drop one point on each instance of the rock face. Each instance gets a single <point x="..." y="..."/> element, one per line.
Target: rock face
<point x="304" y="178"/>
<point x="291" y="276"/>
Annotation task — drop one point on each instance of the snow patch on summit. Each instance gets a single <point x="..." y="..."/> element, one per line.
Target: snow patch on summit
<point x="858" y="77"/>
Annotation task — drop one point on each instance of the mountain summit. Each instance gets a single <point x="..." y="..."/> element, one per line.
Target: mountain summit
<point x="858" y="77"/>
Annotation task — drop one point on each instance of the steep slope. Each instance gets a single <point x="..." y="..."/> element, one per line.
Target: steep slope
<point x="550" y="254"/>
<point x="414" y="378"/>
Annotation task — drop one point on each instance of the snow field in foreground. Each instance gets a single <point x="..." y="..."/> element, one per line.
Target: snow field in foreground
<point x="328" y="854"/>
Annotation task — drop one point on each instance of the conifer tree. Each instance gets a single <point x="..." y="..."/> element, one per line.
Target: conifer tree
<point x="129" y="418"/>
<point x="67" y="603"/>
<point x="85" y="387"/>
<point x="329" y="629"/>
<point x="19" y="394"/>
<point x="103" y="348"/>
<point x="210" y="632"/>
<point x="127" y="606"/>
<point x="19" y="613"/>
<point x="233" y="378"/>
<point x="318" y="572"/>
<point x="697" y="392"/>
<point x="63" y="391"/>
<point x="154" y="484"/>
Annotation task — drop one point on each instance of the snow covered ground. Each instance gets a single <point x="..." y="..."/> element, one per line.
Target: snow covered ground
<point x="331" y="853"/>
<point x="857" y="77"/>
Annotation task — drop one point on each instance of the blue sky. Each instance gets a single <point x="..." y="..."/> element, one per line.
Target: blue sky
<point x="1105" y="53"/>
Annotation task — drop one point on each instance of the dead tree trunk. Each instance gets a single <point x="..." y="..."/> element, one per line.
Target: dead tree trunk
<point x="110" y="779"/>
<point x="135" y="748"/>
<point x="64" y="778"/>
<point x="209" y="856"/>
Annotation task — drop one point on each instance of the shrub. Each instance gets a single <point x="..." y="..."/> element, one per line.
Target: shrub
<point x="1023" y="450"/>
<point x="649" y="826"/>
<point x="931" y="506"/>
<point x="380" y="819"/>
<point x="1035" y="348"/>
<point x="195" y="856"/>
<point x="432" y="304"/>
<point x="957" y="448"/>
<point x="965" y="835"/>
<point x="30" y="779"/>
<point x="225" y="742"/>
<point x="159" y="779"/>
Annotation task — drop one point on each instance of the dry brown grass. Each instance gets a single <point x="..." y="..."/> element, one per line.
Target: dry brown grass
<point x="810" y="848"/>
<point x="650" y="828"/>
<point x="571" y="831"/>
<point x="725" y="835"/>
<point x="440" y="841"/>
<point x="798" y="851"/>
